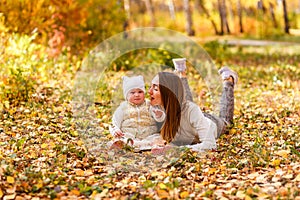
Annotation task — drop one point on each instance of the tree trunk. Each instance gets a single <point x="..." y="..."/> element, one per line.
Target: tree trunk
<point x="286" y="19"/>
<point x="127" y="8"/>
<point x="261" y="6"/>
<point x="223" y="16"/>
<point x="150" y="10"/>
<point x="273" y="15"/>
<point x="240" y="14"/>
<point x="200" y="3"/>
<point x="189" y="20"/>
<point x="126" y="22"/>
<point x="172" y="9"/>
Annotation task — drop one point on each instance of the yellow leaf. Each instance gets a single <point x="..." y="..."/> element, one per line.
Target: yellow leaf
<point x="142" y="178"/>
<point x="240" y="194"/>
<point x="39" y="184"/>
<point x="79" y="143"/>
<point x="52" y="154"/>
<point x="283" y="153"/>
<point x="52" y="144"/>
<point x="162" y="186"/>
<point x="6" y="104"/>
<point x="297" y="178"/>
<point x="163" y="194"/>
<point x="212" y="170"/>
<point x="44" y="145"/>
<point x="232" y="131"/>
<point x="10" y="179"/>
<point x="74" y="133"/>
<point x="184" y="194"/>
<point x="276" y="162"/>
<point x="107" y="185"/>
<point x="1" y="193"/>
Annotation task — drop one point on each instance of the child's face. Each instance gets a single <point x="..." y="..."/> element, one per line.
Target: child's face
<point x="136" y="96"/>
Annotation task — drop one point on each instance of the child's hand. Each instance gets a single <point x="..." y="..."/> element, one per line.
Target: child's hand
<point x="158" y="111"/>
<point x="118" y="134"/>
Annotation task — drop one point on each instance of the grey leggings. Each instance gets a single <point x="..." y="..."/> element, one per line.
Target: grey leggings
<point x="225" y="118"/>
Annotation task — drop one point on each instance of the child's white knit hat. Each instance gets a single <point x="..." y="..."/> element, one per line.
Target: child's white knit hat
<point x="134" y="82"/>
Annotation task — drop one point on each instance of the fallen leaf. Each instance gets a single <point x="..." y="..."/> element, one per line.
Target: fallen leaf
<point x="283" y="153"/>
<point x="75" y="192"/>
<point x="8" y="197"/>
<point x="184" y="194"/>
<point x="163" y="194"/>
<point x="10" y="179"/>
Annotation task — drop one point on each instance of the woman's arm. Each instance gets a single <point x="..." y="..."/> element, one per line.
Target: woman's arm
<point x="204" y="127"/>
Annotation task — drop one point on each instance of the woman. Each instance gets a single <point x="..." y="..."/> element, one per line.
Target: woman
<point x="185" y="124"/>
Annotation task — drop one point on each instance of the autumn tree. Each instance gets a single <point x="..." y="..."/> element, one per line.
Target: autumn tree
<point x="285" y="17"/>
<point x="201" y="7"/>
<point x="223" y="16"/>
<point x="189" y="21"/>
<point x="272" y="12"/>
<point x="240" y="15"/>
<point x="171" y="7"/>
<point x="150" y="10"/>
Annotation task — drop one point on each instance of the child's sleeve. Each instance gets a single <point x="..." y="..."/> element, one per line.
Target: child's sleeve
<point x="117" y="119"/>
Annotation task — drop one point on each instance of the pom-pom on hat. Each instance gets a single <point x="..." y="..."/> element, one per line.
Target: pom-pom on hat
<point x="134" y="82"/>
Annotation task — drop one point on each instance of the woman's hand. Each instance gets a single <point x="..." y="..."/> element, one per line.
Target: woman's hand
<point x="118" y="134"/>
<point x="159" y="150"/>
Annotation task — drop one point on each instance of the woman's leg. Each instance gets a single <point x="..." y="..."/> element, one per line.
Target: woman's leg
<point x="227" y="102"/>
<point x="187" y="90"/>
<point x="221" y="124"/>
<point x="225" y="117"/>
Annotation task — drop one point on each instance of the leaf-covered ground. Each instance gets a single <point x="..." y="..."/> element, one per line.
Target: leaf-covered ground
<point x="43" y="154"/>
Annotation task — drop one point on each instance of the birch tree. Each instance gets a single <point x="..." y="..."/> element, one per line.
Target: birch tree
<point x="150" y="10"/>
<point x="188" y="14"/>
<point x="223" y="16"/>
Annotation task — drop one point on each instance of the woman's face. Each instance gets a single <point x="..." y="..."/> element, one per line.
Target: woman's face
<point x="155" y="96"/>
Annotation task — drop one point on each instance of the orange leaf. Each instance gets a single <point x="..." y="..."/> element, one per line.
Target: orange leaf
<point x="163" y="194"/>
<point x="79" y="172"/>
<point x="75" y="192"/>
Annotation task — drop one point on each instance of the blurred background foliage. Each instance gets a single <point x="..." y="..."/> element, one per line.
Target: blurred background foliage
<point x="43" y="39"/>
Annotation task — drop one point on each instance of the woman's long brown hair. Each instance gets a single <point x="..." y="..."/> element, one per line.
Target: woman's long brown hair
<point x="172" y="96"/>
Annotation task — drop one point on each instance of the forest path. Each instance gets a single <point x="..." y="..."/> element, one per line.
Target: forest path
<point x="235" y="41"/>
